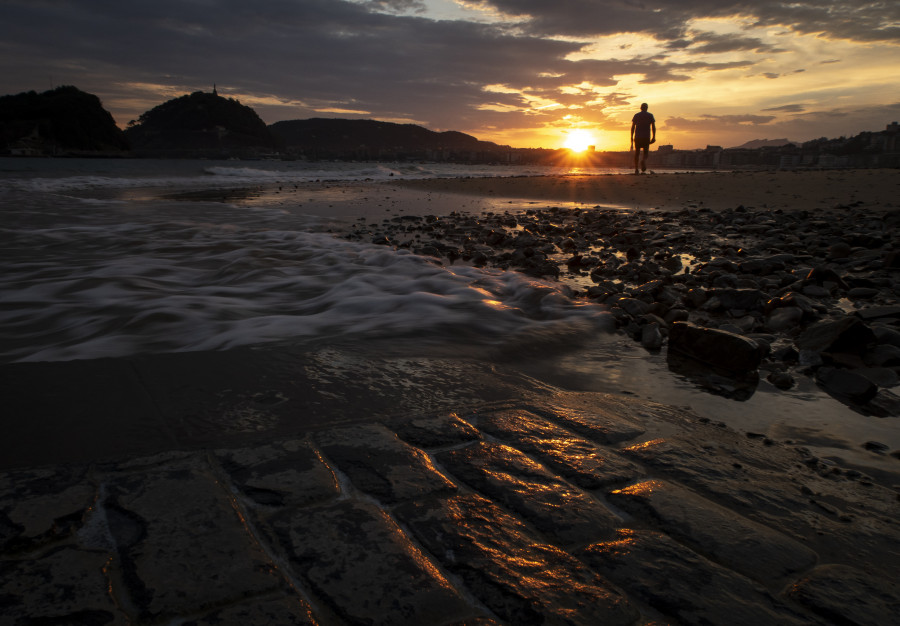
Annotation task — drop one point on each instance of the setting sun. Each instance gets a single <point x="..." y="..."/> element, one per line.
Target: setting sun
<point x="579" y="140"/>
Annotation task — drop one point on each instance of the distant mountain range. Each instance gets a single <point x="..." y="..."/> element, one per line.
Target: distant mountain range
<point x="764" y="143"/>
<point x="371" y="139"/>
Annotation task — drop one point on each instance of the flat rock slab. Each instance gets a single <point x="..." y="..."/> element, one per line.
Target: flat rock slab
<point x="435" y="431"/>
<point x="64" y="586"/>
<point x="563" y="513"/>
<point x="41" y="505"/>
<point x="612" y="421"/>
<point x="521" y="579"/>
<point x="730" y="539"/>
<point x="464" y="521"/>
<point x="360" y="564"/>
<point x="182" y="546"/>
<point x="782" y="488"/>
<point x="280" y="474"/>
<point x="683" y="584"/>
<point x="845" y="595"/>
<point x="286" y="610"/>
<point x="577" y="459"/>
<point x="381" y="465"/>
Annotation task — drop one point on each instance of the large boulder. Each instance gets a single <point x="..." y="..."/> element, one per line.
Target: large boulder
<point x="848" y="334"/>
<point x="718" y="348"/>
<point x="846" y="384"/>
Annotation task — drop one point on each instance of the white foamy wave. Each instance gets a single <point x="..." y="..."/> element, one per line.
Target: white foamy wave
<point x="78" y="183"/>
<point x="249" y="175"/>
<point x="140" y="288"/>
<point x="224" y="176"/>
<point x="60" y="176"/>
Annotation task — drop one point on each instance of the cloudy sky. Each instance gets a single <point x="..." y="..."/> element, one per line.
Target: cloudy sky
<point x="520" y="72"/>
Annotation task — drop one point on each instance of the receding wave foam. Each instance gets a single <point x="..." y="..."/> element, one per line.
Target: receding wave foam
<point x="179" y="175"/>
<point x="140" y="288"/>
<point x="219" y="176"/>
<point x="372" y="172"/>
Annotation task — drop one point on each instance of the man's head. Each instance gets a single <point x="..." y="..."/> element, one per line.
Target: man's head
<point x="644" y="107"/>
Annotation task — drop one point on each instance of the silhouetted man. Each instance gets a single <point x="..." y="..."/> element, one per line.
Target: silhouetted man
<point x="641" y="136"/>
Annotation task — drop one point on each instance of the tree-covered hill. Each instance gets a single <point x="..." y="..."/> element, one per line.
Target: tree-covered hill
<point x="64" y="120"/>
<point x="199" y="124"/>
<point x="327" y="137"/>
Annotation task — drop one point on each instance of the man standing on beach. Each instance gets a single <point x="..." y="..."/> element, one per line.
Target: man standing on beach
<point x="641" y="125"/>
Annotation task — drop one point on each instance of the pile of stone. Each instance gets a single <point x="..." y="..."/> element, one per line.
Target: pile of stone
<point x="738" y="291"/>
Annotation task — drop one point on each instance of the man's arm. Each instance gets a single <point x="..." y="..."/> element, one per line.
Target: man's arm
<point x="632" y="132"/>
<point x="653" y="128"/>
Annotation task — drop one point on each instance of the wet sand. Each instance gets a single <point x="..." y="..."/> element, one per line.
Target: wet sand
<point x="878" y="189"/>
<point x="875" y="190"/>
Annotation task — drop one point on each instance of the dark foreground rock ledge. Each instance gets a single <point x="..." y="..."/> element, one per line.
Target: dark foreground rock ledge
<point x="575" y="512"/>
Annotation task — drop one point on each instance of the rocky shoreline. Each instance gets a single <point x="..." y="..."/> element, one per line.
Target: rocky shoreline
<point x="732" y="294"/>
<point x="270" y="484"/>
<point x="580" y="509"/>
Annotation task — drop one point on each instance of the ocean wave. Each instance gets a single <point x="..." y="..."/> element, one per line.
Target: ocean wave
<point x="230" y="175"/>
<point x="142" y="288"/>
<point x="197" y="175"/>
<point x="79" y="183"/>
<point x="250" y="175"/>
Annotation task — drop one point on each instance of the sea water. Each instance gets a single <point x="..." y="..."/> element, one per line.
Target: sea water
<point x="112" y="258"/>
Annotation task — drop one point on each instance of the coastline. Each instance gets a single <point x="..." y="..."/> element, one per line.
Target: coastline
<point x="876" y="189"/>
<point x="279" y="484"/>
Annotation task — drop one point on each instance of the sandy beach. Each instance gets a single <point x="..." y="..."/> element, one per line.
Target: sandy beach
<point x="878" y="189"/>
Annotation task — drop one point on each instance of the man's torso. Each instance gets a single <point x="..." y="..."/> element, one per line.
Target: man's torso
<point x="642" y="121"/>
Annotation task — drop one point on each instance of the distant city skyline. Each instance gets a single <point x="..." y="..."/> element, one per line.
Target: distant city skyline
<point x="525" y="73"/>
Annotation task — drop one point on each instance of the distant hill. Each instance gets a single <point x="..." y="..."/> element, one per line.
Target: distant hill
<point x="325" y="137"/>
<point x="64" y="120"/>
<point x="763" y="143"/>
<point x="200" y="124"/>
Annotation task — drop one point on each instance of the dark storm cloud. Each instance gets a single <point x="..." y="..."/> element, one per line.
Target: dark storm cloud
<point x="667" y="19"/>
<point x="397" y="6"/>
<point x="707" y="122"/>
<point x="323" y="53"/>
<point x="787" y="108"/>
<point x="714" y="43"/>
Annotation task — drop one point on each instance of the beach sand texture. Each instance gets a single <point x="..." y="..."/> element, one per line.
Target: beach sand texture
<point x="797" y="190"/>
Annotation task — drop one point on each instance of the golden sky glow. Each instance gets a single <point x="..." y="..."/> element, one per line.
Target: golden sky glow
<point x="525" y="73"/>
<point x="802" y="78"/>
